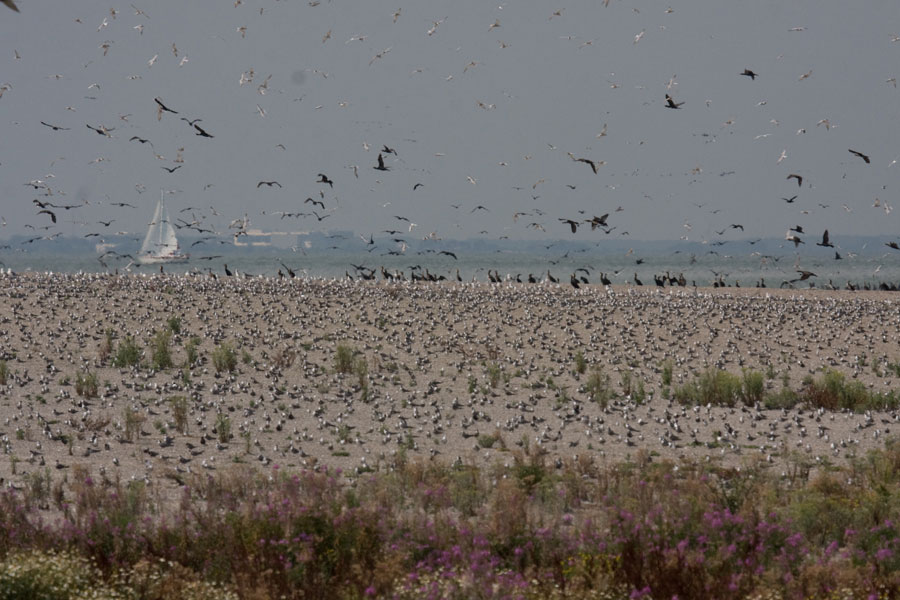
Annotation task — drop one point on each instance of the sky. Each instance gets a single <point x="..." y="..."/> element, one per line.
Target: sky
<point x="486" y="104"/>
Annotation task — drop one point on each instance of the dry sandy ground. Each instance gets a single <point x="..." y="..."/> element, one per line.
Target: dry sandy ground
<point x="430" y="351"/>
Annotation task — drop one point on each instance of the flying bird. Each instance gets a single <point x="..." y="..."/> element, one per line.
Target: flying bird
<point x="268" y="183"/>
<point x="893" y="245"/>
<point x="55" y="127"/>
<point x="173" y="169"/>
<point x="448" y="253"/>
<point x="315" y="202"/>
<point x="598" y="221"/>
<point x="797" y="177"/>
<point x="202" y="132"/>
<point x="323" y="178"/>
<point x="825" y="243"/>
<point x="750" y="74"/>
<point x="592" y="164"/>
<point x="670" y="103"/>
<point x="859" y="154"/>
<point x="45" y="211"/>
<point x="11" y="4"/>
<point x="101" y="130"/>
<point x="573" y="224"/>
<point x="162" y="108"/>
<point x="789" y="200"/>
<point x="380" y="166"/>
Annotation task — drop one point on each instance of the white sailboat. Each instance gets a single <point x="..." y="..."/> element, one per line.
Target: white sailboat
<point x="161" y="245"/>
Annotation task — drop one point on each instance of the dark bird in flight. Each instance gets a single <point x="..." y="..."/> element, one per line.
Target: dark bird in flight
<point x="859" y="154"/>
<point x="289" y="270"/>
<point x="173" y="169"/>
<point x="573" y="224"/>
<point x="797" y="177"/>
<point x="55" y="127"/>
<point x="101" y="130"/>
<point x="399" y="218"/>
<point x="893" y="245"/>
<point x="804" y="275"/>
<point x="202" y="132"/>
<point x="163" y="107"/>
<point x="825" y="243"/>
<point x="140" y="139"/>
<point x="750" y="74"/>
<point x="106" y="223"/>
<point x="315" y="202"/>
<point x="479" y="207"/>
<point x="322" y="218"/>
<point x="670" y="103"/>
<point x="587" y="161"/>
<point x="11" y="4"/>
<point x="598" y="221"/>
<point x="448" y="253"/>
<point x="388" y="150"/>
<point x="737" y="226"/>
<point x="268" y="183"/>
<point x="380" y="166"/>
<point x="418" y="185"/>
<point x="123" y="204"/>
<point x="789" y="200"/>
<point x="190" y="121"/>
<point x="323" y="178"/>
<point x="797" y="228"/>
<point x="793" y="238"/>
<point x="45" y="211"/>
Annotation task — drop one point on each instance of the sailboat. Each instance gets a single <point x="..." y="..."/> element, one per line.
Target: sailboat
<point x="161" y="245"/>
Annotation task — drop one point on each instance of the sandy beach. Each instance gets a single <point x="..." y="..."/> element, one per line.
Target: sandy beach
<point x="449" y="372"/>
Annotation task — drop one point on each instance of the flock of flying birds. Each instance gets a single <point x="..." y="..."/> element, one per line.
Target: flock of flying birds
<point x="320" y="211"/>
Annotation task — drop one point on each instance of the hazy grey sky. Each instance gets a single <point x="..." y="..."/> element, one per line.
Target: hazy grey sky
<point x="458" y="98"/>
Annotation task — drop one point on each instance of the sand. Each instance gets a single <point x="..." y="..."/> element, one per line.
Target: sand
<point x="454" y="372"/>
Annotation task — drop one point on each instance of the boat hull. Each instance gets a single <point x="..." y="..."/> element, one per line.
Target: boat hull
<point x="149" y="259"/>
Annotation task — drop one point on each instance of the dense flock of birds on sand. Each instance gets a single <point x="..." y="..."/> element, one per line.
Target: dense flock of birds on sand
<point x="447" y="375"/>
<point x="404" y="164"/>
<point x="459" y="372"/>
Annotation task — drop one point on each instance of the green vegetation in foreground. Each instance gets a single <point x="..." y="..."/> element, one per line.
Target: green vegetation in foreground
<point x="523" y="528"/>
<point x="831" y="391"/>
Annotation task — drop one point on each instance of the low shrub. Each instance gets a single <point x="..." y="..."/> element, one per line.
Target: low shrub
<point x="86" y="384"/>
<point x="343" y="359"/>
<point x="224" y="358"/>
<point x="127" y="354"/>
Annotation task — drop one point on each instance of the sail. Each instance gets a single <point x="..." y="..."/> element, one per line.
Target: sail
<point x="168" y="243"/>
<point x="151" y="240"/>
<point x="160" y="243"/>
